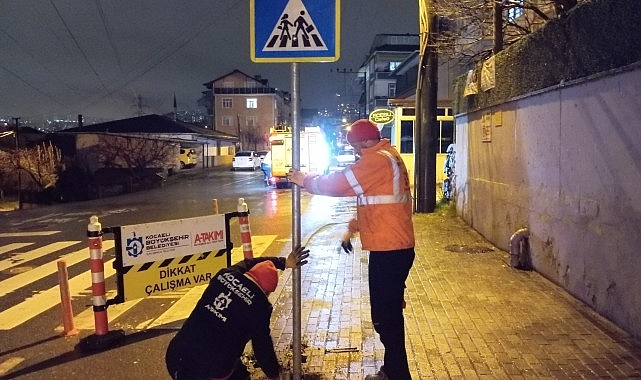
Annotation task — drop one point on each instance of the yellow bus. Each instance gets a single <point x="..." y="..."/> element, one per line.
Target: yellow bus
<point x="402" y="137"/>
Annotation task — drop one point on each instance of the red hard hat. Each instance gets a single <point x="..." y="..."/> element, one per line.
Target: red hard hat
<point x="362" y="130"/>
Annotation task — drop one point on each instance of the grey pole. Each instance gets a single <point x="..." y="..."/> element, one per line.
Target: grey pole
<point x="296" y="225"/>
<point x="19" y="168"/>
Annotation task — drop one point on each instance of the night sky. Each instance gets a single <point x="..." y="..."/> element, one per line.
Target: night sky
<point x="108" y="59"/>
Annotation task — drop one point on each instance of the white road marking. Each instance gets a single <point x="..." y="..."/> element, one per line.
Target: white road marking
<point x="25" y="278"/>
<point x="24" y="257"/>
<point x="45" y="300"/>
<point x="12" y="246"/>
<point x="85" y="319"/>
<point x="9" y="364"/>
<point x="181" y="309"/>
<point x="26" y="234"/>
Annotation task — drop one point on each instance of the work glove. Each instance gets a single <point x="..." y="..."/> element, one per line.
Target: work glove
<point x="346" y="243"/>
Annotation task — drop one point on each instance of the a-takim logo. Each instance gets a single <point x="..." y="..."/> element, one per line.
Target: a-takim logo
<point x="295" y="30"/>
<point x="222" y="301"/>
<point x="208" y="237"/>
<point x="135" y="246"/>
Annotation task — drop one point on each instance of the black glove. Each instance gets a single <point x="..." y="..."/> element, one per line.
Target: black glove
<point x="347" y="246"/>
<point x="346" y="242"/>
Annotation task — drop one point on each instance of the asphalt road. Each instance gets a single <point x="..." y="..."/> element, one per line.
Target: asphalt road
<point x="32" y="340"/>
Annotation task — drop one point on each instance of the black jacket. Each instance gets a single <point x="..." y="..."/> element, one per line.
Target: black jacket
<point x="232" y="311"/>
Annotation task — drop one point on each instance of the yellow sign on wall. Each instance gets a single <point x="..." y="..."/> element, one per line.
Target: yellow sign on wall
<point x="381" y="116"/>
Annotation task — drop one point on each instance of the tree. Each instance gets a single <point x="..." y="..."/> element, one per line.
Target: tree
<point x="472" y="30"/>
<point x="135" y="153"/>
<point x="40" y="163"/>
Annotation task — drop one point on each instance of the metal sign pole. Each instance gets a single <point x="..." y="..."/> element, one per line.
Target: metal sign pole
<point x="296" y="224"/>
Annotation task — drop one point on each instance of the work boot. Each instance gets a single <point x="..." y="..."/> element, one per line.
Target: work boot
<point x="380" y="375"/>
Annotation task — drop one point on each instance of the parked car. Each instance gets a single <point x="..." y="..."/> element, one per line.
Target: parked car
<point x="246" y="159"/>
<point x="345" y="157"/>
<point x="262" y="154"/>
<point x="188" y="158"/>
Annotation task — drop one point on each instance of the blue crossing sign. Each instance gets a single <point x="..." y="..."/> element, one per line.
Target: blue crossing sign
<point x="295" y="30"/>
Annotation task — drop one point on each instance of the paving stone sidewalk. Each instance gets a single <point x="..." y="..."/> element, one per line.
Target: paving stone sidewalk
<point x="469" y="315"/>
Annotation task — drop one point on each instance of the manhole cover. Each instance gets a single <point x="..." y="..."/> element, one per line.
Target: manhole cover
<point x="468" y="248"/>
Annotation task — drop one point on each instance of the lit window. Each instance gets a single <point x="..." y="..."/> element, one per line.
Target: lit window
<point x="394" y="65"/>
<point x="515" y="12"/>
<point x="227" y="102"/>
<point x="252" y="103"/>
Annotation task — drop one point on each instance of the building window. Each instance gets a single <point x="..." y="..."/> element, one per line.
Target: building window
<point x="250" y="83"/>
<point x="228" y="84"/>
<point x="228" y="121"/>
<point x="446" y="135"/>
<point x="515" y="11"/>
<point x="394" y="65"/>
<point x="252" y="103"/>
<point x="251" y="121"/>
<point x="227" y="103"/>
<point x="407" y="136"/>
<point x="391" y="90"/>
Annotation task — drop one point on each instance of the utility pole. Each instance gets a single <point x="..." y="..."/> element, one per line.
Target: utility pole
<point x="19" y="167"/>
<point x="426" y="127"/>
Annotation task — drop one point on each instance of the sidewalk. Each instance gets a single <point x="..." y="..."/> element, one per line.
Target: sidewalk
<point x="469" y="315"/>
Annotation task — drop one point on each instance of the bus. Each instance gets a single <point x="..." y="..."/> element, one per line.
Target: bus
<point x="402" y="137"/>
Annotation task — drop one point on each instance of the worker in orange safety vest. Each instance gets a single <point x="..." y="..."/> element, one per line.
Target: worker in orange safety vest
<point x="380" y="182"/>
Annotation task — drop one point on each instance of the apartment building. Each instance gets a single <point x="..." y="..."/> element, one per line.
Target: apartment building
<point x="246" y="106"/>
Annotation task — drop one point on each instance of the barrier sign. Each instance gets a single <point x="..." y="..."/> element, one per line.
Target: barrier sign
<point x="170" y="255"/>
<point x="172" y="274"/>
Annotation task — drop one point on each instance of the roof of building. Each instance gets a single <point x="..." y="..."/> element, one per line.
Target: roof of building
<point x="154" y="124"/>
<point x="257" y="78"/>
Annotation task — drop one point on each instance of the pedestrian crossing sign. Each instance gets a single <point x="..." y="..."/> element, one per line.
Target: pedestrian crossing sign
<point x="295" y="30"/>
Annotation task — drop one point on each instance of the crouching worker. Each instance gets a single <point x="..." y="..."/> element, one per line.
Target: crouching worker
<point x="233" y="310"/>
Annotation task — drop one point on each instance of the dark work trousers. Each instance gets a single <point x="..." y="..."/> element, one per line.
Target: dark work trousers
<point x="388" y="271"/>
<point x="178" y="371"/>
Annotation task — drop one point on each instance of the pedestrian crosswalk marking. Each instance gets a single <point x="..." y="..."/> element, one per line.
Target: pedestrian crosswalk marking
<point x="25" y="278"/>
<point x="85" y="319"/>
<point x="80" y="286"/>
<point x="9" y="364"/>
<point x="181" y="309"/>
<point x="47" y="299"/>
<point x="295" y="30"/>
<point x="24" y="257"/>
<point x="12" y="246"/>
<point x="27" y="234"/>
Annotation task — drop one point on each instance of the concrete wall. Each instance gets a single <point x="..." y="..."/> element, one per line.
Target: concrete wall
<point x="566" y="163"/>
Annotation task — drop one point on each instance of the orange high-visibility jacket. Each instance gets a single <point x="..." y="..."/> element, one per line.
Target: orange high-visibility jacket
<point x="380" y="182"/>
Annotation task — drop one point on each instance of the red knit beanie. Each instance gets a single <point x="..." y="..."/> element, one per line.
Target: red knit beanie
<point x="265" y="275"/>
<point x="362" y="130"/>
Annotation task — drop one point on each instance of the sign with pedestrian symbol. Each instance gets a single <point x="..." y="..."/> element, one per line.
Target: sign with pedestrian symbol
<point x="294" y="30"/>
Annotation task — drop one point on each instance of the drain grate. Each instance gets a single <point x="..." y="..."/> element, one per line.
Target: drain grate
<point x="468" y="248"/>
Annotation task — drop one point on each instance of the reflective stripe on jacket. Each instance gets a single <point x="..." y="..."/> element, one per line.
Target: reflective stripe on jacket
<point x="380" y="182"/>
